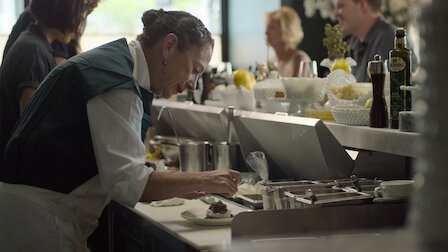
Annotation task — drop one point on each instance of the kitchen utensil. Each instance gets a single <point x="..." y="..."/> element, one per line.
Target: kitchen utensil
<point x="378" y="108"/>
<point x="355" y="182"/>
<point x="225" y="155"/>
<point x="193" y="156"/>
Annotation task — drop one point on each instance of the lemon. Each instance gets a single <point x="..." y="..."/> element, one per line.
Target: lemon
<point x="368" y="103"/>
<point x="343" y="65"/>
<point x="154" y="155"/>
<point x="244" y="79"/>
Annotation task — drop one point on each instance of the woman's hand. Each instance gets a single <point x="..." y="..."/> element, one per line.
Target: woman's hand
<point x="221" y="181"/>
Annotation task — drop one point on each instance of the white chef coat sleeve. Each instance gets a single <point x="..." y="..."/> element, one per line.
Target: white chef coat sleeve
<point x="115" y="126"/>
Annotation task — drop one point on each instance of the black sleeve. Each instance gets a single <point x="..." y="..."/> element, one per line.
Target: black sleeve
<point x="33" y="68"/>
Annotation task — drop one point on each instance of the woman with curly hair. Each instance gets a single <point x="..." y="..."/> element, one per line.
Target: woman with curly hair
<point x="80" y="142"/>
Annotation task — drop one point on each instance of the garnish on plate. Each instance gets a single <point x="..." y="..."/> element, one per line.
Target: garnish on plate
<point x="218" y="210"/>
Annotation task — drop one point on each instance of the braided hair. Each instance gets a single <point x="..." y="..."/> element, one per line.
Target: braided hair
<point x="189" y="30"/>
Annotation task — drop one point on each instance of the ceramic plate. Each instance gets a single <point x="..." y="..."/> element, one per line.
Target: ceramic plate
<point x="199" y="216"/>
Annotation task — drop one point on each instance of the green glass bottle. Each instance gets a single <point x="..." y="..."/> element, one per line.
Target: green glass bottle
<point x="400" y="75"/>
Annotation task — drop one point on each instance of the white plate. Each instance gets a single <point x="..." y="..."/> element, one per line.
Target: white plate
<point x="199" y="216"/>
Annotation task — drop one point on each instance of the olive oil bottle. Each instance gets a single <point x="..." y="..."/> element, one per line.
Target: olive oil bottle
<point x="400" y="75"/>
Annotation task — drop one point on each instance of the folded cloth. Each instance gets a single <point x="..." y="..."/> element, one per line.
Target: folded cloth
<point x="168" y="202"/>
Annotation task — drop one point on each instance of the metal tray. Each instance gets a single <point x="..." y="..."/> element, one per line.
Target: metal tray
<point x="254" y="201"/>
<point x="333" y="198"/>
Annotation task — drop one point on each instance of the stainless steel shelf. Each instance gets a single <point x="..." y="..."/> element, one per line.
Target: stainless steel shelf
<point x="295" y="147"/>
<point x="390" y="141"/>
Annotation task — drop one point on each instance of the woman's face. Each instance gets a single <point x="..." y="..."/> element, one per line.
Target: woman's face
<point x="273" y="32"/>
<point x="182" y="70"/>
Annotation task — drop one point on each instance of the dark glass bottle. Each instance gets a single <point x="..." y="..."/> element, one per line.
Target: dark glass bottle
<point x="400" y="74"/>
<point x="378" y="108"/>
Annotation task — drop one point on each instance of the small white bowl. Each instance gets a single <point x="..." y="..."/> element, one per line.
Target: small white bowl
<point x="351" y="115"/>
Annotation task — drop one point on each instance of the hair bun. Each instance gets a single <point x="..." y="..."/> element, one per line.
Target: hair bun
<point x="152" y="16"/>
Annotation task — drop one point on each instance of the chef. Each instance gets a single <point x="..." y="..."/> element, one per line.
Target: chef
<point x="78" y="143"/>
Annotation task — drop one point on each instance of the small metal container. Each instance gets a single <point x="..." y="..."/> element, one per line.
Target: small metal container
<point x="193" y="156"/>
<point x="225" y="155"/>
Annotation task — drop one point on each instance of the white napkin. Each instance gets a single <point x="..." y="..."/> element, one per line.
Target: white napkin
<point x="168" y="202"/>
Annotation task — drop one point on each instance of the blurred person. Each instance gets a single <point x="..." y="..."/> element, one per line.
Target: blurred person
<point x="284" y="33"/>
<point x="30" y="58"/>
<point x="80" y="142"/>
<point x="61" y="51"/>
<point x="367" y="33"/>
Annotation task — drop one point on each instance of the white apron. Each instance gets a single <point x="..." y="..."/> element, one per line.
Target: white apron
<point x="37" y="219"/>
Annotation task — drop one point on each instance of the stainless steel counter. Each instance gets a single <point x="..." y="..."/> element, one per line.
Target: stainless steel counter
<point x="210" y="122"/>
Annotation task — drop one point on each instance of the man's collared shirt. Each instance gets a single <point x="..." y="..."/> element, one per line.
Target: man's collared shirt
<point x="379" y="40"/>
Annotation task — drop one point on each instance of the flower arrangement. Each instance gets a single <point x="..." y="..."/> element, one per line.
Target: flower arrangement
<point x="398" y="12"/>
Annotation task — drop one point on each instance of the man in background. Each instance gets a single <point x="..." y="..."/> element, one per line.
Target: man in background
<point x="367" y="33"/>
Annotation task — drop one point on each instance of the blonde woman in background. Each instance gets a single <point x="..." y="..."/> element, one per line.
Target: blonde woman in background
<point x="284" y="33"/>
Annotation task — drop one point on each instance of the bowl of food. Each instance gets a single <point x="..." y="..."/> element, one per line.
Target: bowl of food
<point x="342" y="89"/>
<point x="349" y="94"/>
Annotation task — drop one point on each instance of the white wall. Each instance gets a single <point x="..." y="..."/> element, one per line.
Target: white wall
<point x="247" y="43"/>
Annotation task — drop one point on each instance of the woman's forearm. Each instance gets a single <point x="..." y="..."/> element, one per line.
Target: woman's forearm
<point x="167" y="185"/>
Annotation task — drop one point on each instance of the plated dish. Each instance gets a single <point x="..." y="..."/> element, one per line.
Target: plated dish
<point x="199" y="216"/>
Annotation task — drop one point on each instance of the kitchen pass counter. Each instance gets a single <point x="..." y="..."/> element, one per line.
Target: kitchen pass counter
<point x="200" y="237"/>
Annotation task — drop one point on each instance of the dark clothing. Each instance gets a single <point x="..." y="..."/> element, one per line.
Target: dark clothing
<point x="29" y="60"/>
<point x="51" y="146"/>
<point x="25" y="19"/>
<point x="380" y="39"/>
<point x="21" y="25"/>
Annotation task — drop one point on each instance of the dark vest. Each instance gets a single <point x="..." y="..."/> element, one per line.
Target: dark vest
<point x="51" y="145"/>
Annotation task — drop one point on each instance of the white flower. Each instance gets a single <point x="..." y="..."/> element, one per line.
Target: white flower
<point x="325" y="8"/>
<point x="398" y="5"/>
<point x="396" y="11"/>
<point x="310" y="8"/>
